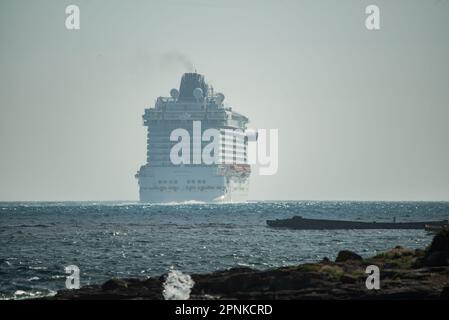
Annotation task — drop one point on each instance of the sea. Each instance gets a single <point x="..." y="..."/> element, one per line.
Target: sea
<point x="124" y="239"/>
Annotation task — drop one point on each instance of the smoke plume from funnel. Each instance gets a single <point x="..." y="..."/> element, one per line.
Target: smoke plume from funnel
<point x="178" y="59"/>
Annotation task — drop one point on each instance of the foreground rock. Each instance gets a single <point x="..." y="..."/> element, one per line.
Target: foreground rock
<point x="346" y="255"/>
<point x="438" y="252"/>
<point x="405" y="274"/>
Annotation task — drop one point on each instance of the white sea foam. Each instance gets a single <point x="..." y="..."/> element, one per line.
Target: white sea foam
<point x="37" y="268"/>
<point x="21" y="294"/>
<point x="177" y="286"/>
<point x="33" y="278"/>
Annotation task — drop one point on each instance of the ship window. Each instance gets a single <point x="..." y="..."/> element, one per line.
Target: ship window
<point x="188" y="181"/>
<point x="159" y="182"/>
<point x="193" y="181"/>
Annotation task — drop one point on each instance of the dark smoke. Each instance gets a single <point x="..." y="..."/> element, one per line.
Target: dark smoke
<point x="177" y="58"/>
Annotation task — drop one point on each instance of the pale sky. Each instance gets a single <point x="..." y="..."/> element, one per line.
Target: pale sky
<point x="362" y="115"/>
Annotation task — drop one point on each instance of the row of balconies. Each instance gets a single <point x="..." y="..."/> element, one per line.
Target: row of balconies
<point x="189" y="188"/>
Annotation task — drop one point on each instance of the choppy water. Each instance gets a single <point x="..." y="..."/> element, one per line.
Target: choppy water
<point x="134" y="240"/>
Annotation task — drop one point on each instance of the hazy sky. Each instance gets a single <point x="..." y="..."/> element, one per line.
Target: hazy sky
<point x="362" y="115"/>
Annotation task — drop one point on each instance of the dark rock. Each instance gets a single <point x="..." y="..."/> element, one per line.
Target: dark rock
<point x="445" y="293"/>
<point x="346" y="255"/>
<point x="440" y="242"/>
<point x="438" y="252"/>
<point x="436" y="259"/>
<point x="114" y="284"/>
<point x="390" y="265"/>
<point x="346" y="278"/>
<point x="326" y="260"/>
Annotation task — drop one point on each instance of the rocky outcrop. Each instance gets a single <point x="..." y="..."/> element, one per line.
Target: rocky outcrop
<point x="438" y="252"/>
<point x="404" y="274"/>
<point x="346" y="255"/>
<point x="445" y="293"/>
<point x="150" y="289"/>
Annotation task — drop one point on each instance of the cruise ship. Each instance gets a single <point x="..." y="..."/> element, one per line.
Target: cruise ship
<point x="224" y="180"/>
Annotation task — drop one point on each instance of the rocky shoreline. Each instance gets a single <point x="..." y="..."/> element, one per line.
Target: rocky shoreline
<point x="404" y="274"/>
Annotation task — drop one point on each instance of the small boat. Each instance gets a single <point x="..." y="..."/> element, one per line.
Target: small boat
<point x="301" y="223"/>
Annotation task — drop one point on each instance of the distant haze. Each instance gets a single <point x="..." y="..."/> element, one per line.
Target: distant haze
<point x="362" y="115"/>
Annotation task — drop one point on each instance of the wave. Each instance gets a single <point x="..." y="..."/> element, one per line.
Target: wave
<point x="22" y="294"/>
<point x="34" y="279"/>
<point x="177" y="285"/>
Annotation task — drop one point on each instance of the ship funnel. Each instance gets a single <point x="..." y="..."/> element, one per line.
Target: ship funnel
<point x="189" y="82"/>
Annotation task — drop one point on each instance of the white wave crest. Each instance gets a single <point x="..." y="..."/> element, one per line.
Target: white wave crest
<point x="21" y="294"/>
<point x="177" y="286"/>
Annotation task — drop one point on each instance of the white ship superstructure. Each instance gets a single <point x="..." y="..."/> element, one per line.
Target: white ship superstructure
<point x="227" y="179"/>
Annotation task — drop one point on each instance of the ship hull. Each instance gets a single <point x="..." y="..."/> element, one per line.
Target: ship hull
<point x="182" y="184"/>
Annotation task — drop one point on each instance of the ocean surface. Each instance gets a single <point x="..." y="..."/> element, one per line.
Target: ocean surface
<point x="108" y="240"/>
